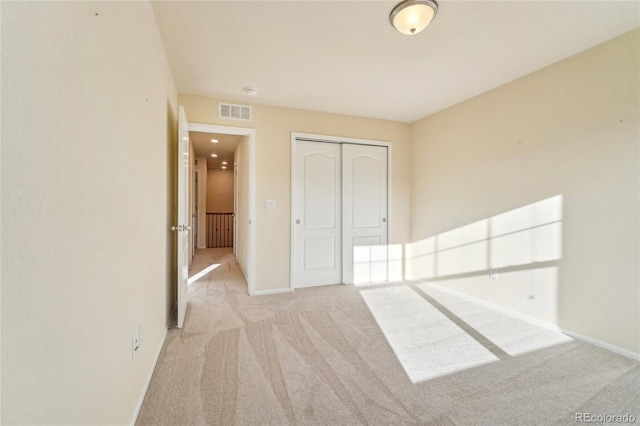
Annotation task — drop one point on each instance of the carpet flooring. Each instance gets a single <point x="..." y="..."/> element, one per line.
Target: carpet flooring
<point x="397" y="354"/>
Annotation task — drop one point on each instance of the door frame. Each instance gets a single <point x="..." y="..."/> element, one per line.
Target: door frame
<point x="251" y="134"/>
<point x="235" y="206"/>
<point x="196" y="209"/>
<point x="310" y="137"/>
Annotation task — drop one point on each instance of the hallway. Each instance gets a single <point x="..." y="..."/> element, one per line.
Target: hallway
<point x="214" y="272"/>
<point x="205" y="258"/>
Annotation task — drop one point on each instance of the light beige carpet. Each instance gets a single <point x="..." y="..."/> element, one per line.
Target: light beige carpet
<point x="391" y="355"/>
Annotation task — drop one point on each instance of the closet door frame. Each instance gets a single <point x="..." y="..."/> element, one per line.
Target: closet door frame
<point x="310" y="137"/>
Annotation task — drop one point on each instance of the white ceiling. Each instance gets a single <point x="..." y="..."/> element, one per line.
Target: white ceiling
<point x="226" y="146"/>
<point x="345" y="57"/>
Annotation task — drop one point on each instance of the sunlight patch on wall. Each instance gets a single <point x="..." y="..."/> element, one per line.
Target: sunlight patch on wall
<point x="522" y="236"/>
<point x="463" y="249"/>
<point x="396" y="260"/>
<point x="527" y="235"/>
<point x="421" y="258"/>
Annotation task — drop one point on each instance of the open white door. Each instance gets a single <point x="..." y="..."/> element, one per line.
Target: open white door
<point x="182" y="228"/>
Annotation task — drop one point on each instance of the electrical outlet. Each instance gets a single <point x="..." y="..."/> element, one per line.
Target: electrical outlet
<point x="493" y="274"/>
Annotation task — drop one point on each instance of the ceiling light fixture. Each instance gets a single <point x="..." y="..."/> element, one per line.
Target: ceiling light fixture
<point x="225" y="163"/>
<point x="412" y="16"/>
<point x="251" y="91"/>
<point x="214" y="155"/>
<point x="214" y="140"/>
<point x="224" y="167"/>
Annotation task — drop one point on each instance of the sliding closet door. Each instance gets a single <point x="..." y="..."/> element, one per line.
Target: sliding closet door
<point x="317" y="214"/>
<point x="364" y="195"/>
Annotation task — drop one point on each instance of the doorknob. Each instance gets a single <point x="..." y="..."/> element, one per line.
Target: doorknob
<point x="297" y="221"/>
<point x="384" y="219"/>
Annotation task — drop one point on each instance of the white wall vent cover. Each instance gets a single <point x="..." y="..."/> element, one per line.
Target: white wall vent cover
<point x="234" y="112"/>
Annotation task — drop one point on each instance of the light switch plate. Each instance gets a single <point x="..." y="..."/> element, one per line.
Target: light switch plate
<point x="271" y="204"/>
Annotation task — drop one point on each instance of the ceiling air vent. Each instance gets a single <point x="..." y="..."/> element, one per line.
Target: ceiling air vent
<point x="234" y="112"/>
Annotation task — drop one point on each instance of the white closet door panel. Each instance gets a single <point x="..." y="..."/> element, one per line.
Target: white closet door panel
<point x="366" y="172"/>
<point x="320" y="253"/>
<point x="364" y="195"/>
<point x="317" y="214"/>
<point x="319" y="190"/>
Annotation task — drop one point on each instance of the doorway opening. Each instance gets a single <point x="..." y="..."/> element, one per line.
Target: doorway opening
<point x="214" y="195"/>
<point x="223" y="192"/>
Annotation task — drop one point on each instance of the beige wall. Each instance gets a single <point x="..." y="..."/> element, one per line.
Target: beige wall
<point x="202" y="201"/>
<point x="85" y="234"/>
<point x="219" y="191"/>
<point x="241" y="159"/>
<point x="540" y="177"/>
<point x="273" y="173"/>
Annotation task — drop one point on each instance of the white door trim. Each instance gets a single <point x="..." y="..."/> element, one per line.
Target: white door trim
<point x="196" y="208"/>
<point x="311" y="137"/>
<point x="251" y="134"/>
<point x="235" y="207"/>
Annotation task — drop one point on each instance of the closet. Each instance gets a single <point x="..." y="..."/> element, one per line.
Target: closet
<point x="339" y="212"/>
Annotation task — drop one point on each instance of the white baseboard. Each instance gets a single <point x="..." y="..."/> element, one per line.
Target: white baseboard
<point x="599" y="343"/>
<point x="266" y="292"/>
<point x="577" y="336"/>
<point x="202" y="247"/>
<point x="146" y="385"/>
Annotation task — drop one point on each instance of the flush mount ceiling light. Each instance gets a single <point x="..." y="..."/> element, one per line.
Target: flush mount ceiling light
<point x="214" y="140"/>
<point x="214" y="155"/>
<point x="225" y="163"/>
<point x="251" y="91"/>
<point x="412" y="16"/>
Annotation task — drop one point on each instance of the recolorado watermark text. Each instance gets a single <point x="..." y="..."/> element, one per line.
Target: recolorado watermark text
<point x="605" y="418"/>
